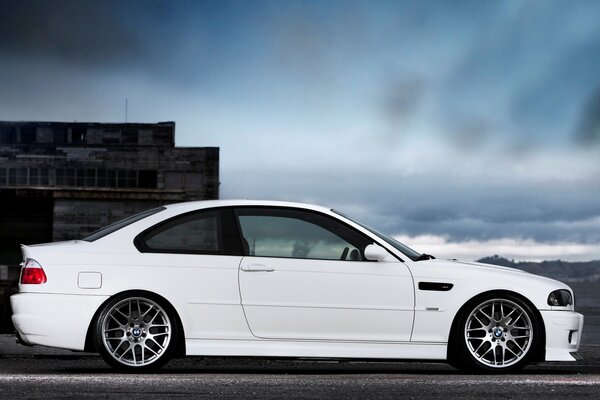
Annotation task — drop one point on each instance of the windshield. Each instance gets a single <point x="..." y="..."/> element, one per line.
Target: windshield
<point x="107" y="230"/>
<point x="407" y="251"/>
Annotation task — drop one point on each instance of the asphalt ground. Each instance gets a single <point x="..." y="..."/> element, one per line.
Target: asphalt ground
<point x="48" y="373"/>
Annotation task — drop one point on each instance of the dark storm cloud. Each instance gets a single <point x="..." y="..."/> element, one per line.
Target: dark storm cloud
<point x="589" y="128"/>
<point x="80" y="59"/>
<point x="531" y="63"/>
<point x="572" y="76"/>
<point x="403" y="97"/>
<point x="464" y="211"/>
<point x="79" y="32"/>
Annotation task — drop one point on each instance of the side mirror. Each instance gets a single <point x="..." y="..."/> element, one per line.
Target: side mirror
<point x="375" y="252"/>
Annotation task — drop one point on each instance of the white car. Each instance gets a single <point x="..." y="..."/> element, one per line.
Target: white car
<point x="278" y="279"/>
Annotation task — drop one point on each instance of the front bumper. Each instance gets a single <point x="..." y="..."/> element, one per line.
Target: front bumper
<point x="55" y="320"/>
<point x="563" y="334"/>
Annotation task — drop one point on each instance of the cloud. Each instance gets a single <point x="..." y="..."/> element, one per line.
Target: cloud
<point x="589" y="127"/>
<point x="403" y="98"/>
<point x="480" y="199"/>
<point x="82" y="32"/>
<point x="517" y="249"/>
<point x="533" y="74"/>
<point x="308" y="101"/>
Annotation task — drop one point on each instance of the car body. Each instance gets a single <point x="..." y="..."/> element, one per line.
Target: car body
<point x="281" y="279"/>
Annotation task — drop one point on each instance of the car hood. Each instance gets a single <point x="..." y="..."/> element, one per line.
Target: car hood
<point x="466" y="270"/>
<point x="441" y="263"/>
<point x="482" y="265"/>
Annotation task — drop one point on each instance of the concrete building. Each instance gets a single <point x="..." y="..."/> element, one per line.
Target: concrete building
<point x="60" y="181"/>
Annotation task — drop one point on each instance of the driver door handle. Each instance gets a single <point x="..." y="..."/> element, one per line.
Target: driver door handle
<point x="257" y="268"/>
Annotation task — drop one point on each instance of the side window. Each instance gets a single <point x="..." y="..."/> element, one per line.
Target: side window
<point x="196" y="233"/>
<point x="298" y="234"/>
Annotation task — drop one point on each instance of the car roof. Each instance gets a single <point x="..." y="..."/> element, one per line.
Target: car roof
<point x="195" y="205"/>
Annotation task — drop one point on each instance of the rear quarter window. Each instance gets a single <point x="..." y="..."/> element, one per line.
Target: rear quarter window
<point x="208" y="231"/>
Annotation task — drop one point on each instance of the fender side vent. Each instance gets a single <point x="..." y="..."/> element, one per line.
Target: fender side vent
<point x="437" y="286"/>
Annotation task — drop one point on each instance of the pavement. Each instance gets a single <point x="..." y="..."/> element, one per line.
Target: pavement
<point x="66" y="375"/>
<point x="45" y="373"/>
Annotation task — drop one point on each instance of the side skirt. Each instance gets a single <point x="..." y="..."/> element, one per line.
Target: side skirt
<point x="330" y="349"/>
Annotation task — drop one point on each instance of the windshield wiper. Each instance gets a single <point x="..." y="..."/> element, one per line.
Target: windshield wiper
<point x="424" y="257"/>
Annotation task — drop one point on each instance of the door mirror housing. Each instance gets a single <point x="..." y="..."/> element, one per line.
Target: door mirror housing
<point x="374" y="252"/>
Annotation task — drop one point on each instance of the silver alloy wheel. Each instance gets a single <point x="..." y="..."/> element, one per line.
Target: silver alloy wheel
<point x="136" y="331"/>
<point x="498" y="333"/>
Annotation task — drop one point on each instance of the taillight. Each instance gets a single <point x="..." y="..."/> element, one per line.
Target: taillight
<point x="32" y="273"/>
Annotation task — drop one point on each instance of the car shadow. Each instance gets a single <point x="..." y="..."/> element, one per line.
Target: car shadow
<point x="199" y="365"/>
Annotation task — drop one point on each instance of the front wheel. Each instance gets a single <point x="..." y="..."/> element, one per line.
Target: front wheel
<point x="497" y="333"/>
<point x="135" y="333"/>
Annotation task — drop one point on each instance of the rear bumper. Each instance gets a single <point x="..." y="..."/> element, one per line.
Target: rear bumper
<point x="563" y="334"/>
<point x="22" y="341"/>
<point x="55" y="320"/>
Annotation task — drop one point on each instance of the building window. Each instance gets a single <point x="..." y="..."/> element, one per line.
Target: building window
<point x="8" y="135"/>
<point x="129" y="136"/>
<point x="126" y="179"/>
<point x="173" y="180"/>
<point x="147" y="179"/>
<point x="86" y="177"/>
<point x="90" y="177"/>
<point x="44" y="177"/>
<point x="163" y="137"/>
<point x="65" y="177"/>
<point x="34" y="177"/>
<point x="78" y="135"/>
<point x="12" y="176"/>
<point x="111" y="137"/>
<point x="59" y="135"/>
<point x="194" y="180"/>
<point x="28" y="134"/>
<point x="22" y="176"/>
<point x="107" y="178"/>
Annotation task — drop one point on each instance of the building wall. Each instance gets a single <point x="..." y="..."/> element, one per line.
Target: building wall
<point x="130" y="166"/>
<point x="134" y="156"/>
<point x="61" y="181"/>
<point x="75" y="218"/>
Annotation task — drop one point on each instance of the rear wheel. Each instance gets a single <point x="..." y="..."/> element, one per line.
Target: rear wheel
<point x="136" y="333"/>
<point x="496" y="333"/>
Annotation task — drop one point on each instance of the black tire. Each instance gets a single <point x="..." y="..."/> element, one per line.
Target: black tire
<point x="136" y="332"/>
<point x="495" y="333"/>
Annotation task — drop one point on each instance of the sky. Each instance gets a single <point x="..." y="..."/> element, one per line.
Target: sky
<point x="463" y="128"/>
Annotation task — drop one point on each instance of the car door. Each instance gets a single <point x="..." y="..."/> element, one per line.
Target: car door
<point x="197" y="255"/>
<point x="304" y="276"/>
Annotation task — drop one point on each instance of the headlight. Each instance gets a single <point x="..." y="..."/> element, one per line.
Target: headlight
<point x="560" y="298"/>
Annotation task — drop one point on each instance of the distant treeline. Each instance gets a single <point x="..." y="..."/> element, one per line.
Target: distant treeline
<point x="586" y="271"/>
